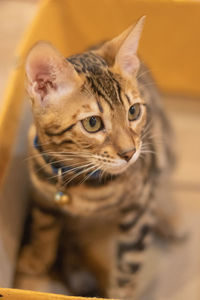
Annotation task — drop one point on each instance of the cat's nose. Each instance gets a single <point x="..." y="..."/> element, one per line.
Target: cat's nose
<point x="127" y="155"/>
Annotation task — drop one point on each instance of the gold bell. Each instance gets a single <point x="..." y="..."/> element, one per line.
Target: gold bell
<point x="61" y="199"/>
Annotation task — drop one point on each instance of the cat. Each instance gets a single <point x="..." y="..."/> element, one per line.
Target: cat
<point x="101" y="156"/>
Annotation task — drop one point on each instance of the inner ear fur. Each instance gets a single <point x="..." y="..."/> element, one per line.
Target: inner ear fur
<point x="121" y="52"/>
<point x="48" y="71"/>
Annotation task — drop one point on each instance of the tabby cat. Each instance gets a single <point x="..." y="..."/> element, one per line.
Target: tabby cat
<point x="100" y="159"/>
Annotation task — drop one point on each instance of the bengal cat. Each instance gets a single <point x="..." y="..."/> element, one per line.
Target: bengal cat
<point x="100" y="159"/>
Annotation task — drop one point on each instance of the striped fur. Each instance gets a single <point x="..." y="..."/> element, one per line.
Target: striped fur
<point x="107" y="225"/>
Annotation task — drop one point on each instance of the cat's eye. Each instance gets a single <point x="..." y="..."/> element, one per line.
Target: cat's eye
<point x="92" y="124"/>
<point x="134" y="112"/>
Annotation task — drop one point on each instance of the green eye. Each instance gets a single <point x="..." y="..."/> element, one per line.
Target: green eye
<point x="134" y="112"/>
<point x="92" y="124"/>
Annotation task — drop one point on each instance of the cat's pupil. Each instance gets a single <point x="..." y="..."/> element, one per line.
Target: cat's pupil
<point x="132" y="110"/>
<point x="92" y="121"/>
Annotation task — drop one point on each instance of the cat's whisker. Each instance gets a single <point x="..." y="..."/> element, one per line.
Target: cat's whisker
<point x="146" y="136"/>
<point x="147" y="130"/>
<point x="102" y="174"/>
<point x="150" y="137"/>
<point x="78" y="174"/>
<point x="82" y="168"/>
<point x="148" y="84"/>
<point x="66" y="153"/>
<point x="147" y="145"/>
<point x="101" y="167"/>
<point x="143" y="73"/>
<point x="69" y="157"/>
<point x="148" y="151"/>
<point x="43" y="153"/>
<point x="107" y="174"/>
<point x="57" y="154"/>
<point x="58" y="161"/>
<point x="71" y="170"/>
<point x="158" y="138"/>
<point x="79" y="167"/>
<point x="89" y="175"/>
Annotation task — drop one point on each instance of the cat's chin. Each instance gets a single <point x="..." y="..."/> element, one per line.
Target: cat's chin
<point x="117" y="171"/>
<point x="124" y="166"/>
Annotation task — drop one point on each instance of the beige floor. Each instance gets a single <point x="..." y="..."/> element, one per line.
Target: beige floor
<point x="181" y="267"/>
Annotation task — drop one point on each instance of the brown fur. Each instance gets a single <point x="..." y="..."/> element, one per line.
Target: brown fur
<point x="107" y="222"/>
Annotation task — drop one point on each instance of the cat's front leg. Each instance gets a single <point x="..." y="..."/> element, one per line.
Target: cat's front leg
<point x="134" y="236"/>
<point x="38" y="255"/>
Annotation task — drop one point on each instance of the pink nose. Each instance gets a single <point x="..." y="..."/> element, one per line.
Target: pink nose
<point x="127" y="155"/>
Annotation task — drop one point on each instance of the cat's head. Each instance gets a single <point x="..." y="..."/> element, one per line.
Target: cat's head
<point x="87" y="109"/>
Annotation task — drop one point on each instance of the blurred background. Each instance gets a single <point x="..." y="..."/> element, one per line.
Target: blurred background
<point x="15" y="16"/>
<point x="177" y="73"/>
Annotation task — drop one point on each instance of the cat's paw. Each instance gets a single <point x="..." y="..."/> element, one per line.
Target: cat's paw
<point x="31" y="263"/>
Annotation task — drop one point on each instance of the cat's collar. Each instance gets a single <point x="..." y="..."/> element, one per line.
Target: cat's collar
<point x="57" y="167"/>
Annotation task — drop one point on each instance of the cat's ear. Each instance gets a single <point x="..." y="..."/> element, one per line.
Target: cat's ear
<point x="126" y="59"/>
<point x="48" y="73"/>
<point x="121" y="52"/>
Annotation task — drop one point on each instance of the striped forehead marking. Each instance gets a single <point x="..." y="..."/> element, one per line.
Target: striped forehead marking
<point x="100" y="79"/>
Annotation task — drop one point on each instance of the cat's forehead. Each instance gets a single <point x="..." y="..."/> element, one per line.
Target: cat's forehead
<point x="88" y="62"/>
<point x="100" y="79"/>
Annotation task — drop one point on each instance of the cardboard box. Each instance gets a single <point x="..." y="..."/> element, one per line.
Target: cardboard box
<point x="170" y="46"/>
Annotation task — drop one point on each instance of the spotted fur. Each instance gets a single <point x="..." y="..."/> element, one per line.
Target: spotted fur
<point x="107" y="225"/>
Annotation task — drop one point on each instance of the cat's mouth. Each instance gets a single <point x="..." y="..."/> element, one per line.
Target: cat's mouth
<point x="122" y="165"/>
